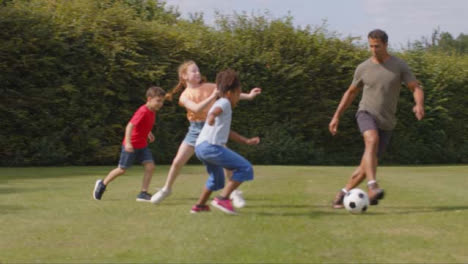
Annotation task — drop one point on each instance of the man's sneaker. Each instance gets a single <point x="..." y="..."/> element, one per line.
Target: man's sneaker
<point x="99" y="189"/>
<point x="199" y="209"/>
<point x="375" y="193"/>
<point x="224" y="205"/>
<point x="338" y="201"/>
<point x="160" y="196"/>
<point x="237" y="199"/>
<point x="143" y="197"/>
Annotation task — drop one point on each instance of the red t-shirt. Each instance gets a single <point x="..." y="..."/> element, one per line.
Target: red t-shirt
<point x="143" y="121"/>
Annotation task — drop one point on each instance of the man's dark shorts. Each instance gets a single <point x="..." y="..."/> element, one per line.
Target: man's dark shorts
<point x="366" y="122"/>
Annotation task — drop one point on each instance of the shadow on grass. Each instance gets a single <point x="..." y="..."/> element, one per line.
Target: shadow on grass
<point x="11" y="174"/>
<point x="10" y="209"/>
<point x="420" y="209"/>
<point x="295" y="210"/>
<point x="9" y="190"/>
<point x="325" y="210"/>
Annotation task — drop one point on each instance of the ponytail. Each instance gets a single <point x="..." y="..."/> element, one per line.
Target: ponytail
<point x="181" y="84"/>
<point x="176" y="89"/>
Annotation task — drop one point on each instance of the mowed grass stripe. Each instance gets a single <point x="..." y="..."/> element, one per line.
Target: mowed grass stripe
<point x="48" y="215"/>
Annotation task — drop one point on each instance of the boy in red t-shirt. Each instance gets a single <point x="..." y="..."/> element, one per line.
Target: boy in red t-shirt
<point x="135" y="144"/>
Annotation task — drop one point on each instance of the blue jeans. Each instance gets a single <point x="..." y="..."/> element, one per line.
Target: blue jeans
<point x="216" y="158"/>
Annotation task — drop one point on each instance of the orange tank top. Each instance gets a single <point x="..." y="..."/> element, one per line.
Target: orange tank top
<point x="197" y="95"/>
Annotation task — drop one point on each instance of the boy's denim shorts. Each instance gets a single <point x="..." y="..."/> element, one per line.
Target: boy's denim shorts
<point x="366" y="121"/>
<point x="127" y="158"/>
<point x="193" y="133"/>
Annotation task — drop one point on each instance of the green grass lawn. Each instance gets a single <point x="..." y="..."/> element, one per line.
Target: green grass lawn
<point x="48" y="215"/>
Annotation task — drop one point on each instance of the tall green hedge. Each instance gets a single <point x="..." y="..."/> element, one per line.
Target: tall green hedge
<point x="73" y="72"/>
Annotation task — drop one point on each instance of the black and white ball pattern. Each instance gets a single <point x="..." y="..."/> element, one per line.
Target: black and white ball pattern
<point x="356" y="201"/>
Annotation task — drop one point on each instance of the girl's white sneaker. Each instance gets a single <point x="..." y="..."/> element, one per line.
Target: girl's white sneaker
<point x="237" y="199"/>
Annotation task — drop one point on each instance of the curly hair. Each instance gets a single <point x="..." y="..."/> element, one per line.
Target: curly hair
<point x="227" y="80"/>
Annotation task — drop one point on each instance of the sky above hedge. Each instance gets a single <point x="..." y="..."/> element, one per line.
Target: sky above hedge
<point x="403" y="20"/>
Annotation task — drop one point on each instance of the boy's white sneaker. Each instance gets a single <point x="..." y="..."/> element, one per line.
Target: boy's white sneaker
<point x="237" y="199"/>
<point x="160" y="196"/>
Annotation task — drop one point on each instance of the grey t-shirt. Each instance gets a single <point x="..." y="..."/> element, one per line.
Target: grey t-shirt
<point x="381" y="85"/>
<point x="217" y="134"/>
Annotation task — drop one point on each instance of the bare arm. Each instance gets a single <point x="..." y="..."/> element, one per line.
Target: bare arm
<point x="346" y="100"/>
<point x="151" y="137"/>
<point x="197" y="107"/>
<point x="128" y="137"/>
<point x="233" y="135"/>
<point x="251" y="95"/>
<point x="210" y="119"/>
<point x="418" y="95"/>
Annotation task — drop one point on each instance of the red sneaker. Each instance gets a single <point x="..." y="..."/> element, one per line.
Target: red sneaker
<point x="199" y="209"/>
<point x="223" y="205"/>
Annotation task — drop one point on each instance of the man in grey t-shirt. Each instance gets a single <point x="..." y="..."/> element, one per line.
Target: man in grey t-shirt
<point x="380" y="78"/>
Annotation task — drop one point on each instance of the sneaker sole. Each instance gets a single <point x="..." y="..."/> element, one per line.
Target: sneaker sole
<point x="198" y="212"/>
<point x="143" y="200"/>
<point x="95" y="188"/>
<point x="215" y="204"/>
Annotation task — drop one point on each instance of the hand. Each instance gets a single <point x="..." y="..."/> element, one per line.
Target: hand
<point x="418" y="111"/>
<point x="252" y="141"/>
<point x="129" y="147"/>
<point x="333" y="126"/>
<point x="210" y="120"/>
<point x="254" y="92"/>
<point x="151" y="137"/>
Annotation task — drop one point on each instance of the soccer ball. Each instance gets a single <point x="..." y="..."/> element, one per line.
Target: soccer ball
<point x="356" y="201"/>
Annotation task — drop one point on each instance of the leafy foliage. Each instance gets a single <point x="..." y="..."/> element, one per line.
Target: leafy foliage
<point x="73" y="73"/>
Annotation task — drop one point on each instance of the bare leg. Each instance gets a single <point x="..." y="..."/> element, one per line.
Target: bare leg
<point x="369" y="158"/>
<point x="237" y="198"/>
<point x="228" y="173"/>
<point x="204" y="196"/>
<point x="356" y="178"/>
<point x="370" y="162"/>
<point x="184" y="153"/>
<point x="367" y="168"/>
<point x="149" y="169"/>
<point x="231" y="186"/>
<point x="113" y="174"/>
